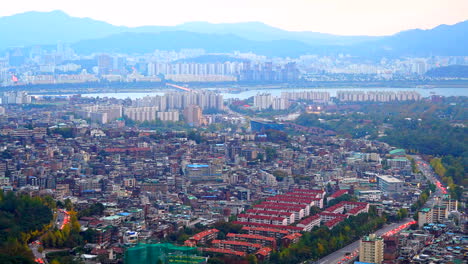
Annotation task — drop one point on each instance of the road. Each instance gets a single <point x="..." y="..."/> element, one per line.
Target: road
<point x="38" y="257"/>
<point x="429" y="173"/>
<point x="62" y="219"/>
<point x="353" y="248"/>
<point x="337" y="256"/>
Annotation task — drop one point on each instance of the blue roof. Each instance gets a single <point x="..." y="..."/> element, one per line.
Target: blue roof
<point x="124" y="214"/>
<point x="197" y="166"/>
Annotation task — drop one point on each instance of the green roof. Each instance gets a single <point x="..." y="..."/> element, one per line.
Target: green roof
<point x="112" y="217"/>
<point x="165" y="253"/>
<point x="400" y="159"/>
<point x="397" y="152"/>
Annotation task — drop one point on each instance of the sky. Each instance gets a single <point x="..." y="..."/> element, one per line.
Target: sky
<point x="340" y="17"/>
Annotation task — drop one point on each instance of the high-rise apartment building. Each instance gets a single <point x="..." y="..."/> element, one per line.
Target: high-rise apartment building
<point x="193" y="115"/>
<point x="101" y="114"/>
<point x="141" y="114"/>
<point x="371" y="249"/>
<point x="263" y="101"/>
<point x="105" y="64"/>
<point x="307" y="96"/>
<point x="172" y="116"/>
<point x="425" y="217"/>
<point x="181" y="100"/>
<point x="15" y="98"/>
<point x="279" y="103"/>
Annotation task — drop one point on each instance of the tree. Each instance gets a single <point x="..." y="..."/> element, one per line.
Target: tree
<point x="402" y="213"/>
<point x="270" y="154"/>
<point x="439" y="168"/>
<point x="68" y="204"/>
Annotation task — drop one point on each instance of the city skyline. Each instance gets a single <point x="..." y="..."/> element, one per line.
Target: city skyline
<point x="338" y="17"/>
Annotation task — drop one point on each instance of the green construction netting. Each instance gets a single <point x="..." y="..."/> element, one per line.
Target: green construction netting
<point x="161" y="253"/>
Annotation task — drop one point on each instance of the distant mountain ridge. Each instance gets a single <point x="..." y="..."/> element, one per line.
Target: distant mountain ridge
<point x="88" y="36"/>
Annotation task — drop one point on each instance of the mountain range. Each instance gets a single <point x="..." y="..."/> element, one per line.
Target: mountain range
<point x="89" y="36"/>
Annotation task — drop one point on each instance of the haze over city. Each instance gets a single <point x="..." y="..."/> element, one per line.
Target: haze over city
<point x="340" y="17"/>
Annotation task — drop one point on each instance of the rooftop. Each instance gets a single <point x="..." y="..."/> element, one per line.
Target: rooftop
<point x="389" y="179"/>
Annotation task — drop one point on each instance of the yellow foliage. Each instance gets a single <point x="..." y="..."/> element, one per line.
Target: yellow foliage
<point x="439" y="168"/>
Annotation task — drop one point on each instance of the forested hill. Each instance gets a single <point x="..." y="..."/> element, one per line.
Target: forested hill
<point x="21" y="218"/>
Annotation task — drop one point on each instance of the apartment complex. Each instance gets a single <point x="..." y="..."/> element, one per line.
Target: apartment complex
<point x="371" y="249"/>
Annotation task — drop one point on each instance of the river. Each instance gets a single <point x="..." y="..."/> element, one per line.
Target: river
<point x="277" y="92"/>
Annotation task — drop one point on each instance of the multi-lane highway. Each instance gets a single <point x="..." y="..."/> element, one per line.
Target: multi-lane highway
<point x="339" y="256"/>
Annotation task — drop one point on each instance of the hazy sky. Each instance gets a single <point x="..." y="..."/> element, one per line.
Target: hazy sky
<point x="344" y="17"/>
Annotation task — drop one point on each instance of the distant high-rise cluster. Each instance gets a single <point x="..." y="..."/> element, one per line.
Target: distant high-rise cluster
<point x="15" y="98"/>
<point x="266" y="72"/>
<point x="111" y="64"/>
<point x="3" y="70"/>
<point x="148" y="113"/>
<point x="101" y="114"/>
<point x="361" y="96"/>
<point x="177" y="100"/>
<point x="307" y="96"/>
<point x="196" y="72"/>
<point x="226" y="68"/>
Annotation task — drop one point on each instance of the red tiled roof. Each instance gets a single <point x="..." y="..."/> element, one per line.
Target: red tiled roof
<point x="290" y="228"/>
<point x="204" y="234"/>
<point x="225" y="251"/>
<point x="264" y="251"/>
<point x="290" y="199"/>
<point x="263" y="217"/>
<point x="279" y="207"/>
<point x="249" y="236"/>
<point x="305" y="195"/>
<point x="331" y="223"/>
<point x="334" y="207"/>
<point x="265" y="229"/>
<point x="310" y="219"/>
<point x="266" y="212"/>
<point x="237" y="243"/>
<point x="343" y="203"/>
<point x="339" y="193"/>
<point x="307" y="191"/>
<point x="293" y="236"/>
<point x="301" y="206"/>
<point x="356" y="210"/>
<point x="333" y="214"/>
